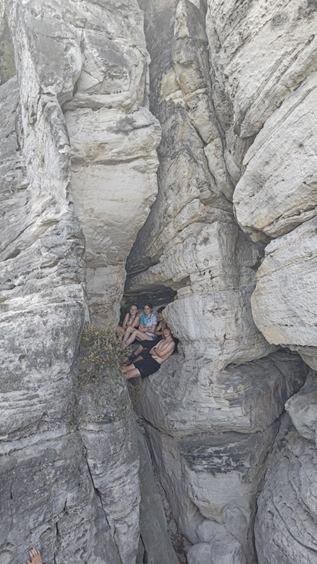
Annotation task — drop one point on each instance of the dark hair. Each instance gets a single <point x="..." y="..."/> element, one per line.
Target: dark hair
<point x="160" y="309"/>
<point x="134" y="305"/>
<point x="148" y="305"/>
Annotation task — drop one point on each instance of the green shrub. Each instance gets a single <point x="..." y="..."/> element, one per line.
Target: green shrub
<point x="101" y="351"/>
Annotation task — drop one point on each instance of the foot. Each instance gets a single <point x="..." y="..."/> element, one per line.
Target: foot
<point x="35" y="556"/>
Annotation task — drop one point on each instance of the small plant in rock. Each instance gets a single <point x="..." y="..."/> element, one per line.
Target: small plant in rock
<point x="102" y="351"/>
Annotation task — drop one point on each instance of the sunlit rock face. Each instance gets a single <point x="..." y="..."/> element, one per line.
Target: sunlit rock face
<point x="275" y="199"/>
<point x="286" y="520"/>
<point x="113" y="140"/>
<point x="230" y="92"/>
<point x="49" y="496"/>
<point x="99" y="76"/>
<point x="284" y="303"/>
<point x="227" y="388"/>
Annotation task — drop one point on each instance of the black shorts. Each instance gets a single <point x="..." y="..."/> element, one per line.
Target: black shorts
<point x="147" y="366"/>
<point x="149" y="344"/>
<point x="146" y="352"/>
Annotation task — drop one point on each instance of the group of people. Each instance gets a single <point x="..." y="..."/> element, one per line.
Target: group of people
<point x="157" y="343"/>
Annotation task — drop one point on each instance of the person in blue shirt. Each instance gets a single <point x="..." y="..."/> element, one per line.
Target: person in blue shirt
<point x="146" y="330"/>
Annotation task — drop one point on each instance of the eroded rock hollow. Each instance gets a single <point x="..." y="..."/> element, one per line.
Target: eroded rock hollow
<point x="162" y="150"/>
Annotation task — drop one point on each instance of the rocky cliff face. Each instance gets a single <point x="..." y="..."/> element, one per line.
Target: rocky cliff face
<point x="195" y="174"/>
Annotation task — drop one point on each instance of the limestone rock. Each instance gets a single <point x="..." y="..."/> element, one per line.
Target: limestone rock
<point x="180" y="99"/>
<point x="108" y="431"/>
<point x="184" y="398"/>
<point x="284" y="303"/>
<point x="228" y="551"/>
<point x="7" y="65"/>
<point x="277" y="190"/>
<point x="114" y="183"/>
<point x="286" y="521"/>
<point x="153" y="527"/>
<point x="213" y="478"/>
<point x="259" y="53"/>
<point x="48" y="498"/>
<point x="302" y="408"/>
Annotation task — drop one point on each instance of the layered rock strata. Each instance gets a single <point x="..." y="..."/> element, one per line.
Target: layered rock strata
<point x="233" y="90"/>
<point x="286" y="519"/>
<point x="275" y="199"/>
<point x="223" y="394"/>
<point x="108" y="431"/>
<point x="49" y="496"/>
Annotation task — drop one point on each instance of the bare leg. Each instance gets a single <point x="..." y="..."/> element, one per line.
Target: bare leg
<point x="35" y="556"/>
<point x="138" y="350"/>
<point x="120" y="332"/>
<point x="138" y="335"/>
<point x="128" y="332"/>
<point x="128" y="367"/>
<point x="132" y="374"/>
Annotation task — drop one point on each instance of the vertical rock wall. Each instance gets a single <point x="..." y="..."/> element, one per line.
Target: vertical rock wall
<point x="232" y="89"/>
<point x="113" y="140"/>
<point x="264" y="65"/>
<point x="49" y="496"/>
<point x="239" y="123"/>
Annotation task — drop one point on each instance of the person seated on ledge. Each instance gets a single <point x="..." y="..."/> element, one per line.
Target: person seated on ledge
<point x="162" y="323"/>
<point x="35" y="556"/>
<point x="146" y="327"/>
<point x="146" y="344"/>
<point x="131" y="321"/>
<point x="151" y="359"/>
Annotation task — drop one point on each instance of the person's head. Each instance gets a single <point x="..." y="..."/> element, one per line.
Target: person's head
<point x="148" y="308"/>
<point x="134" y="309"/>
<point x="160" y="314"/>
<point x="167" y="333"/>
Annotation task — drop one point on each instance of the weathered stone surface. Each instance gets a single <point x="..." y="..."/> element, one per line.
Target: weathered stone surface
<point x="7" y="65"/>
<point x="107" y="427"/>
<point x="212" y="412"/>
<point x="302" y="408"/>
<point x="185" y="397"/>
<point x="180" y="99"/>
<point x="224" y="381"/>
<point x="47" y="500"/>
<point x="287" y="511"/>
<point x="48" y="495"/>
<point x="259" y="52"/>
<point x="277" y="191"/>
<point x="284" y="303"/>
<point x="213" y="478"/>
<point x="113" y="184"/>
<point x="99" y="74"/>
<point x="153" y="526"/>
<point x="227" y="551"/>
